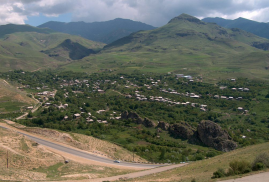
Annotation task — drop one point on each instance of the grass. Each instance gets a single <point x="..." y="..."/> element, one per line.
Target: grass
<point x="203" y="170"/>
<point x="206" y="51"/>
<point x="12" y="99"/>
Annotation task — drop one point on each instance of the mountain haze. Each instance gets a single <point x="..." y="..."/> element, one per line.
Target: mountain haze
<point x="105" y="32"/>
<point x="257" y="28"/>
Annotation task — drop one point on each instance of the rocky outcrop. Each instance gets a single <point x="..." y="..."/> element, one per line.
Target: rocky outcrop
<point x="163" y="125"/>
<point x="148" y="123"/>
<point x="208" y="133"/>
<point x="137" y="119"/>
<point x="212" y="135"/>
<point x="182" y="130"/>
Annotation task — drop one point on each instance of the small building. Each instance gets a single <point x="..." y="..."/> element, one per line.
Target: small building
<point x="100" y="91"/>
<point x="240" y="108"/>
<point x="30" y="107"/>
<point x="77" y="115"/>
<point x="179" y="75"/>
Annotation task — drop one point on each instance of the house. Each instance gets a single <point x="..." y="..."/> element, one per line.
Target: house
<point x="179" y="75"/>
<point x="101" y="91"/>
<point x="47" y="104"/>
<point x="66" y="117"/>
<point x="30" y="107"/>
<point x="240" y="108"/>
<point x="77" y="115"/>
<point x="100" y="111"/>
<point x="216" y="96"/>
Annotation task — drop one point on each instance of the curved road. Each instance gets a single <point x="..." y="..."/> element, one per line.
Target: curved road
<point x="82" y="154"/>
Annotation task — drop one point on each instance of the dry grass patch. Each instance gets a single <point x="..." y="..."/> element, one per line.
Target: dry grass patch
<point x="11" y="98"/>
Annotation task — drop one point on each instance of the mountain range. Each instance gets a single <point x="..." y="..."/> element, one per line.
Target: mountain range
<point x="105" y="32"/>
<point x="184" y="45"/>
<point x="30" y="48"/>
<point x="257" y="28"/>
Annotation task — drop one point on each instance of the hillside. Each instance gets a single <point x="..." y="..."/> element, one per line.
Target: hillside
<point x="11" y="28"/>
<point x="29" y="161"/>
<point x="12" y="99"/>
<point x="105" y="32"/>
<point x="202" y="171"/>
<point x="185" y="43"/>
<point x="25" y="48"/>
<point x="257" y="28"/>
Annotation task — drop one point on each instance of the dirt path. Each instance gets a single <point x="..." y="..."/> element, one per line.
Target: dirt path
<point x="33" y="110"/>
<point x="131" y="175"/>
<point x="262" y="177"/>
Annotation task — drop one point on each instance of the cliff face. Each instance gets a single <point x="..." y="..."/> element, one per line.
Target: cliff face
<point x="212" y="135"/>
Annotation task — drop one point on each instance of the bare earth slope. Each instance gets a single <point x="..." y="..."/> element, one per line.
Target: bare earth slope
<point x="28" y="161"/>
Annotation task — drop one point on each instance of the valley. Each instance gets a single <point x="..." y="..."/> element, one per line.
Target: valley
<point x="190" y="95"/>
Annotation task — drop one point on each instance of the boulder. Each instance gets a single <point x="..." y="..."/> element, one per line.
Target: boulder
<point x="163" y="125"/>
<point x="212" y="135"/>
<point x="182" y="130"/>
<point x="124" y="115"/>
<point x="148" y="123"/>
<point x="137" y="119"/>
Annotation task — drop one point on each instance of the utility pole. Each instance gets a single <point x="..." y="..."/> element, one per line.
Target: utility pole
<point x="7" y="159"/>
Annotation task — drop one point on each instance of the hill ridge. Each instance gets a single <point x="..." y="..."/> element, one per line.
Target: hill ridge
<point x="106" y="32"/>
<point x="257" y="28"/>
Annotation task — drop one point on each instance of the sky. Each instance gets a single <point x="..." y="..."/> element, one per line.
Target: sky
<point x="153" y="12"/>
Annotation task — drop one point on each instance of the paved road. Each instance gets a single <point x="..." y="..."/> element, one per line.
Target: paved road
<point x="84" y="154"/>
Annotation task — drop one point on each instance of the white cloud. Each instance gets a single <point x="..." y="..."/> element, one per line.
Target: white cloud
<point x="155" y="12"/>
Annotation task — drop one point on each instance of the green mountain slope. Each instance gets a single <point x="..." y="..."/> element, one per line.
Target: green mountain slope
<point x="11" y="28"/>
<point x="106" y="32"/>
<point x="69" y="49"/>
<point x="32" y="50"/>
<point x="257" y="28"/>
<point x="185" y="45"/>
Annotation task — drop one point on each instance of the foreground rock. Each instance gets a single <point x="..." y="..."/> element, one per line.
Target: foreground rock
<point x="212" y="135"/>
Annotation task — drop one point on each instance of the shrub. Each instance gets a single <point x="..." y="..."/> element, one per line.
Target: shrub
<point x="219" y="173"/>
<point x="239" y="167"/>
<point x="258" y="166"/>
<point x="262" y="159"/>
